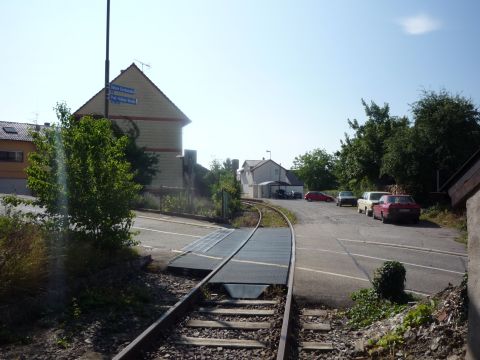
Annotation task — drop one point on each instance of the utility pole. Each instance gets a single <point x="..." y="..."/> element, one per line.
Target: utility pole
<point x="107" y="62"/>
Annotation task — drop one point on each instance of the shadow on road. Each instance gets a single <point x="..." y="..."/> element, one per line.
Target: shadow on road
<point x="421" y="224"/>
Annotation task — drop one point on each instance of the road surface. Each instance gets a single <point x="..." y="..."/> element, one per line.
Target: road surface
<point x="339" y="249"/>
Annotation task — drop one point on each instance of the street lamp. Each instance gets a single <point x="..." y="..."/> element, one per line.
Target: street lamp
<point x="107" y="62"/>
<point x="268" y="151"/>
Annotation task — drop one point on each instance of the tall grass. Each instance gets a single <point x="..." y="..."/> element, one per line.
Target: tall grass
<point x="23" y="258"/>
<point x="177" y="203"/>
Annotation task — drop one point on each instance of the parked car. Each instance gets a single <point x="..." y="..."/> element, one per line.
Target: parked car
<point x="296" y="195"/>
<point x="368" y="199"/>
<point x="318" y="196"/>
<point x="280" y="194"/>
<point x="346" y="197"/>
<point x="396" y="208"/>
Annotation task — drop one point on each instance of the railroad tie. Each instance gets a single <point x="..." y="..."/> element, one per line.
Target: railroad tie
<point x="320" y="327"/>
<point x="314" y="345"/>
<point x="314" y="312"/>
<point x="211" y="342"/>
<point x="237" y="325"/>
<point x="316" y="326"/>
<point x="239" y="312"/>
<point x="241" y="302"/>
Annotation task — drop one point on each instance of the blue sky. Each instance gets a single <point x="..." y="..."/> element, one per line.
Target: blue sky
<point x="252" y="75"/>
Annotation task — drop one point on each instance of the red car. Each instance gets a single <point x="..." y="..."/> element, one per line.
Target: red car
<point x="395" y="208"/>
<point x="318" y="196"/>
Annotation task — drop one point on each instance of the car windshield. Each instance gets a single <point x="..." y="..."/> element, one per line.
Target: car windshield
<point x="346" y="193"/>
<point x="400" y="199"/>
<point x="376" y="196"/>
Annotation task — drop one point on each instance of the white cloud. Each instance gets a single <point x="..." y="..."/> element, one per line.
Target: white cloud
<point x="419" y="24"/>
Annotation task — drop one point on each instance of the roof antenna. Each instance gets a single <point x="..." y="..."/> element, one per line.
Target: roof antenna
<point x="143" y="64"/>
<point x="35" y="120"/>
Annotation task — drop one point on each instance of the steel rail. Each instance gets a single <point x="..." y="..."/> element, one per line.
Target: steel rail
<point x="283" y="351"/>
<point x="148" y="336"/>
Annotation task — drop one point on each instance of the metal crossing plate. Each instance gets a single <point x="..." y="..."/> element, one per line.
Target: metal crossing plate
<point x="263" y="260"/>
<point x="205" y="243"/>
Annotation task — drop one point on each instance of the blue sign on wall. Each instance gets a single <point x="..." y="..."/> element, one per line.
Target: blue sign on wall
<point x="117" y="99"/>
<point x="122" y="89"/>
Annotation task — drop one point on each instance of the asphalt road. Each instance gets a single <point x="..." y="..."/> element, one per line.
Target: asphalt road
<point x="163" y="236"/>
<point x="337" y="251"/>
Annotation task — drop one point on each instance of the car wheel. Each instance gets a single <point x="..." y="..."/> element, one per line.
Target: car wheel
<point x="384" y="219"/>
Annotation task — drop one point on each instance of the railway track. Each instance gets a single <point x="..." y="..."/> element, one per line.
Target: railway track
<point x="207" y="324"/>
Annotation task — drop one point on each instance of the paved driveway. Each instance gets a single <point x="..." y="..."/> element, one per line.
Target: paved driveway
<point x="339" y="249"/>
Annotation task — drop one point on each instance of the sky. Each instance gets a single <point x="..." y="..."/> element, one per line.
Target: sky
<point x="252" y="75"/>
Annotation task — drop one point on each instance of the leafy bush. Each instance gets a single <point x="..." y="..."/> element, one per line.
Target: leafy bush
<point x="81" y="177"/>
<point x="23" y="257"/>
<point x="390" y="340"/>
<point x="420" y="315"/>
<point x="389" y="280"/>
<point x="370" y="307"/>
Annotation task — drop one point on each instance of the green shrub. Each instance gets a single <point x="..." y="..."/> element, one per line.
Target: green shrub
<point x="420" y="315"/>
<point x="23" y="257"/>
<point x="370" y="307"/>
<point x="389" y="281"/>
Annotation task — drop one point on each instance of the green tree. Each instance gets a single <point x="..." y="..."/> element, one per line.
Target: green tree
<point x="81" y="177"/>
<point x="402" y="160"/>
<point x="359" y="161"/>
<point x="447" y="132"/>
<point x="143" y="164"/>
<point x="224" y="183"/>
<point x="315" y="168"/>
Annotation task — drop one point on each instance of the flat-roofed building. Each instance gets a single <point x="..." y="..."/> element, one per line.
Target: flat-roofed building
<point x="136" y="102"/>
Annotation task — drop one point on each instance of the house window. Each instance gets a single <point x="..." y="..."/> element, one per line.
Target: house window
<point x="276" y="171"/>
<point x="11" y="156"/>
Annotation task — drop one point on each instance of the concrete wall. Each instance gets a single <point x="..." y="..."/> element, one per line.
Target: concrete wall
<point x="14" y="186"/>
<point x="246" y="182"/>
<point x="169" y="172"/>
<point x="473" y="218"/>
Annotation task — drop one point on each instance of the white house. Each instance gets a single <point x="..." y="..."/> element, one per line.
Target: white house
<point x="262" y="178"/>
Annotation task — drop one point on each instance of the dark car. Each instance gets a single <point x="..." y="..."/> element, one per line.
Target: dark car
<point x="296" y="195"/>
<point x="280" y="194"/>
<point x="317" y="196"/>
<point x="396" y="208"/>
<point x="346" y="198"/>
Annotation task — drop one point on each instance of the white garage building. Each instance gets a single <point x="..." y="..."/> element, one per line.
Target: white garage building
<point x="262" y="178"/>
